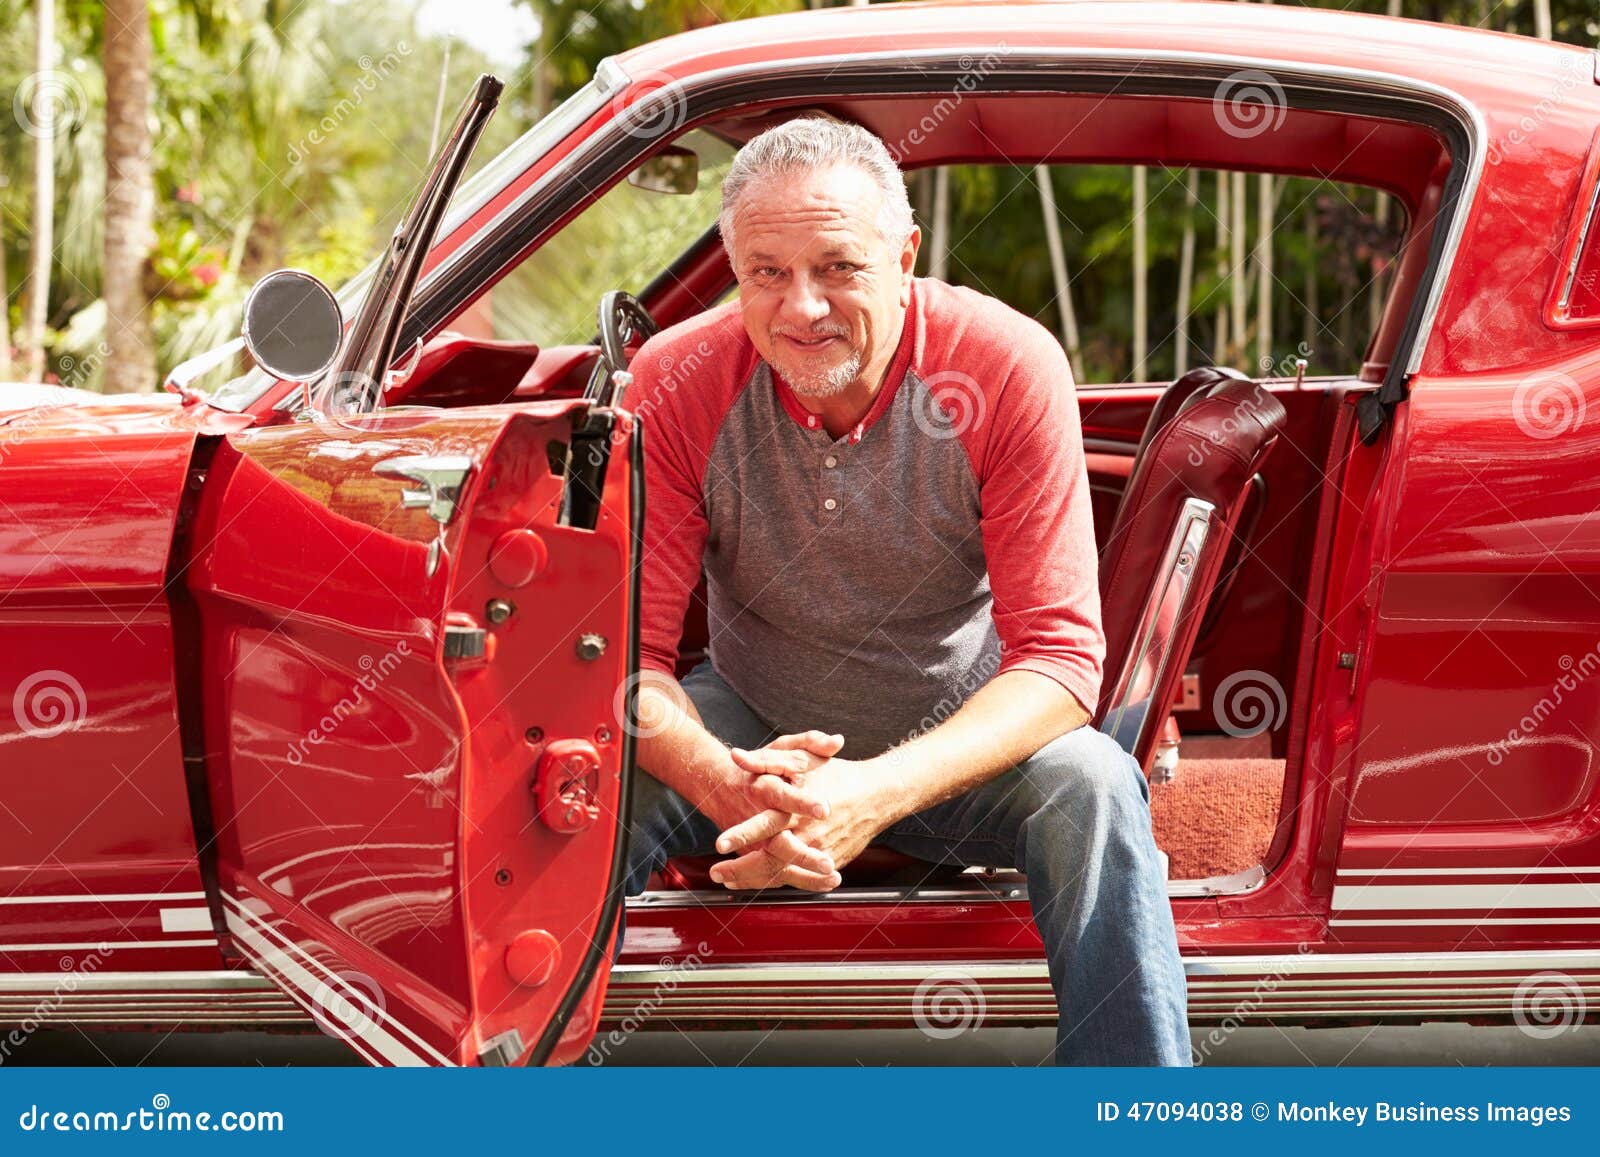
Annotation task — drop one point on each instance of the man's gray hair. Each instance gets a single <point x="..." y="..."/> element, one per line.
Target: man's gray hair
<point x="811" y="143"/>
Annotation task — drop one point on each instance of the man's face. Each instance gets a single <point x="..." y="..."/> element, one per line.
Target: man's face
<point x="822" y="291"/>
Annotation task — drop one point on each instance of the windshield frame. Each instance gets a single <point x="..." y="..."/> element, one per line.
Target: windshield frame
<point x="475" y="193"/>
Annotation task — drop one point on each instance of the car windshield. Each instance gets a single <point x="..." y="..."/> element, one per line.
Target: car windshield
<point x="475" y="191"/>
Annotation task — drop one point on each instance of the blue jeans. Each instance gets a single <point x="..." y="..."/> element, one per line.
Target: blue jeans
<point x="1075" y="818"/>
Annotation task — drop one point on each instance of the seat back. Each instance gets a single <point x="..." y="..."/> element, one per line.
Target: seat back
<point x="1166" y="547"/>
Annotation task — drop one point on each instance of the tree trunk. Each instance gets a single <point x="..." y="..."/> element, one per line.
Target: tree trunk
<point x="939" y="243"/>
<point x="1312" y="313"/>
<point x="1141" y="276"/>
<point x="1265" y="211"/>
<point x="1377" y="290"/>
<point x="40" y="118"/>
<point x="130" y="199"/>
<point x="1058" y="270"/>
<point x="1180" y="353"/>
<point x="1541" y="19"/>
<point x="5" y="313"/>
<point x="1238" y="233"/>
<point x="1224" y="214"/>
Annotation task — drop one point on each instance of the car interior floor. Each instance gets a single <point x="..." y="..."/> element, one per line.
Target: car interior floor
<point x="1217" y="815"/>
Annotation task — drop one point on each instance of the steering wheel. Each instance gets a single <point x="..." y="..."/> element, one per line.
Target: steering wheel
<point x="623" y="322"/>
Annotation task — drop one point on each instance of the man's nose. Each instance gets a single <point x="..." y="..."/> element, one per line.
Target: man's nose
<point x="804" y="303"/>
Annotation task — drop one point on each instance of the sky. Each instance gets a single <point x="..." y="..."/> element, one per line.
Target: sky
<point x="500" y="29"/>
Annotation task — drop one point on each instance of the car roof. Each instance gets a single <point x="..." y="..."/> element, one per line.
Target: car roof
<point x="1475" y="62"/>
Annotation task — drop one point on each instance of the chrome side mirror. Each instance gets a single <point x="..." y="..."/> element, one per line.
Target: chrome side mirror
<point x="292" y="325"/>
<point x="673" y="170"/>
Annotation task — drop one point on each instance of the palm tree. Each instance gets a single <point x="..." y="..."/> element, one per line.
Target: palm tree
<point x="130" y="196"/>
<point x="1058" y="271"/>
<point x="1180" y="353"/>
<point x="1141" y="275"/>
<point x="5" y="310"/>
<point x="42" y="122"/>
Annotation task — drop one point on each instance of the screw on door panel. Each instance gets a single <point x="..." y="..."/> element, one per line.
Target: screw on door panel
<point x="591" y="647"/>
<point x="499" y="610"/>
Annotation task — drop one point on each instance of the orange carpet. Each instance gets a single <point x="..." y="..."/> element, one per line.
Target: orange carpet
<point x="1217" y="816"/>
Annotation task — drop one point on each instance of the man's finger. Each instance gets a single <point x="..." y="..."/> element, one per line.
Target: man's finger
<point x="756" y="830"/>
<point x="782" y="795"/>
<point x="818" y="743"/>
<point x="758" y="869"/>
<point x="770" y="762"/>
<point x="810" y="881"/>
<point x="788" y="847"/>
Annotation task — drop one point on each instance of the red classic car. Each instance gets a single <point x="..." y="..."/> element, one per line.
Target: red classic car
<point x="322" y="679"/>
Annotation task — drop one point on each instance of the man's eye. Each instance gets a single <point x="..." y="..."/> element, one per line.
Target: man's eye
<point x="844" y="267"/>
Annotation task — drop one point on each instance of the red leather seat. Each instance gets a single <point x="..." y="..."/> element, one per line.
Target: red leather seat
<point x="1158" y="566"/>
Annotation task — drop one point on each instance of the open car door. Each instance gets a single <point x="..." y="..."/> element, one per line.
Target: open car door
<point x="412" y="646"/>
<point x="415" y="680"/>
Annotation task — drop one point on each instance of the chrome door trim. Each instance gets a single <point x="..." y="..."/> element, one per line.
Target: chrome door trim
<point x="982" y="889"/>
<point x="1276" y="988"/>
<point x="1577" y="252"/>
<point x="1310" y="964"/>
<point x="211" y="982"/>
<point x="1174" y="580"/>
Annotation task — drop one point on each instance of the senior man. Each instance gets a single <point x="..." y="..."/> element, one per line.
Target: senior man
<point x="882" y="479"/>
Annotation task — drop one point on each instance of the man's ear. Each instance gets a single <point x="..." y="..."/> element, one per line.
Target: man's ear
<point x="908" y="263"/>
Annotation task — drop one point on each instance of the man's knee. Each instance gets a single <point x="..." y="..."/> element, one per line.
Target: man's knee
<point x="1085" y="773"/>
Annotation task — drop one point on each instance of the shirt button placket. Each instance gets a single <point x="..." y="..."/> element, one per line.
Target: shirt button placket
<point x="832" y="490"/>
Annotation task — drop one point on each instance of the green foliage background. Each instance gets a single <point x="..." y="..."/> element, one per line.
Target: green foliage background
<point x="291" y="133"/>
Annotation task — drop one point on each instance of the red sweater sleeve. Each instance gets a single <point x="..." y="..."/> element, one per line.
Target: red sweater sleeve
<point x="684" y="379"/>
<point x="1038" y="529"/>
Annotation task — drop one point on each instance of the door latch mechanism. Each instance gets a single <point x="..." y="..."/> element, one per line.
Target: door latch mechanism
<point x="566" y="786"/>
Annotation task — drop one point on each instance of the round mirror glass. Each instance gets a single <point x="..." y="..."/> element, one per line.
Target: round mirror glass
<point x="292" y="325"/>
